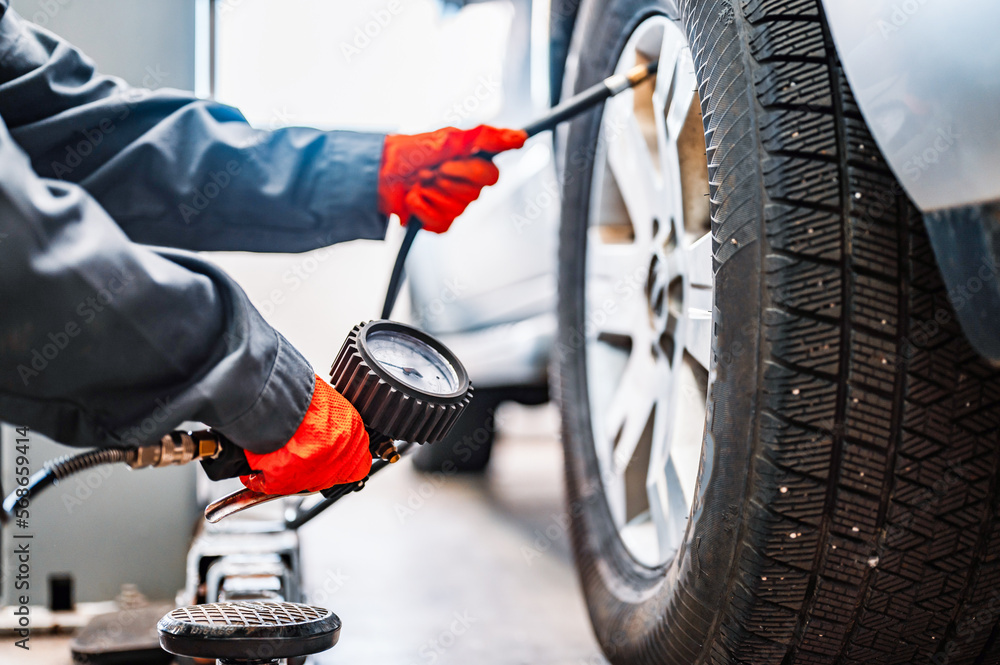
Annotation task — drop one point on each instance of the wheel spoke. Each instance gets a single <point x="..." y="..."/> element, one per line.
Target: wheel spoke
<point x="690" y="390"/>
<point x="633" y="167"/>
<point x="614" y="262"/>
<point x="699" y="301"/>
<point x="685" y="85"/>
<point x="698" y="338"/>
<point x="610" y="317"/>
<point x="670" y="51"/>
<point x="631" y="432"/>
<point x="661" y="446"/>
<point x="677" y="511"/>
<point x="699" y="262"/>
<point x="614" y="286"/>
<point x="601" y="415"/>
<point x="629" y="409"/>
<point x="658" y="487"/>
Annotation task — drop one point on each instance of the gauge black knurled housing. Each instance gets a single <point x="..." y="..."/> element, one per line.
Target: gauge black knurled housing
<point x="389" y="406"/>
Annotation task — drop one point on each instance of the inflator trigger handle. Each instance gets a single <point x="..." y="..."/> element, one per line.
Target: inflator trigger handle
<point x="246" y="498"/>
<point x="236" y="502"/>
<point x="381" y="447"/>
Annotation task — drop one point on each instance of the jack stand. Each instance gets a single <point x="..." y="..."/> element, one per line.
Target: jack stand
<point x="249" y="632"/>
<point x="244" y="559"/>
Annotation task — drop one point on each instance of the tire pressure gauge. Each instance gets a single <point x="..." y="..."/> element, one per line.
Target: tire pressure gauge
<point x="406" y="385"/>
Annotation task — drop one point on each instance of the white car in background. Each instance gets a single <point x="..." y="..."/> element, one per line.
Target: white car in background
<point x="487" y="288"/>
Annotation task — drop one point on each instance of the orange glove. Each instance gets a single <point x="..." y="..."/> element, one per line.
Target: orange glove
<point x="330" y="447"/>
<point x="435" y="176"/>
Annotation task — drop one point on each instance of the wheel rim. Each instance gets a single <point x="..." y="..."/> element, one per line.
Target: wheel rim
<point x="649" y="296"/>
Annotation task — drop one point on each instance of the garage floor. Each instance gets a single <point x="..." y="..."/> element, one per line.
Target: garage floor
<point x="444" y="570"/>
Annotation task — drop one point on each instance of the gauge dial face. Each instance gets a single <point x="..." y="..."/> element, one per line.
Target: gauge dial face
<point x="412" y="362"/>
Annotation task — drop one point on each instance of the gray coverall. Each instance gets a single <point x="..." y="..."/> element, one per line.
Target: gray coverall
<point x="104" y="340"/>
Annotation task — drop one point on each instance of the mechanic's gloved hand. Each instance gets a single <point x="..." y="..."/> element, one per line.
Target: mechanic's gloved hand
<point x="330" y="447"/>
<point x="435" y="176"/>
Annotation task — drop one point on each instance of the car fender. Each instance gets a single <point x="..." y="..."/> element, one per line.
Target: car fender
<point x="926" y="76"/>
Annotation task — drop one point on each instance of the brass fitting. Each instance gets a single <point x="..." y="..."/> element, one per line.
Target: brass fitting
<point x="177" y="448"/>
<point x="385" y="450"/>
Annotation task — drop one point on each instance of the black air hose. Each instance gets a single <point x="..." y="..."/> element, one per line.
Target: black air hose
<point x="63" y="467"/>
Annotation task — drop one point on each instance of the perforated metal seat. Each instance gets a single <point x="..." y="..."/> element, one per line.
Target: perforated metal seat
<point x="249" y="631"/>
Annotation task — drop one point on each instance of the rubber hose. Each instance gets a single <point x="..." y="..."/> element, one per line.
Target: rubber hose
<point x="63" y="467"/>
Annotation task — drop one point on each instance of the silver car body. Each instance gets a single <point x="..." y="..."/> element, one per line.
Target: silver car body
<point x="926" y="75"/>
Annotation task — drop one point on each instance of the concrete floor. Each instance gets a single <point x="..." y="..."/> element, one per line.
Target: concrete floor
<point x="443" y="570"/>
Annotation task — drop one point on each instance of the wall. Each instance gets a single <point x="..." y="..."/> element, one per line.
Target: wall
<point x="127" y="38"/>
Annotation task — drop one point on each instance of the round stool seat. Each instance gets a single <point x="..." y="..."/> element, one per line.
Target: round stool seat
<point x="248" y="630"/>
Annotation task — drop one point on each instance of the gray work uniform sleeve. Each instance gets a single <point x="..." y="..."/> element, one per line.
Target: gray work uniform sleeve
<point x="104" y="341"/>
<point x="177" y="171"/>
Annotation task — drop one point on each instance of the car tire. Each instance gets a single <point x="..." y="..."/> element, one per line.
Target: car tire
<point x="845" y="505"/>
